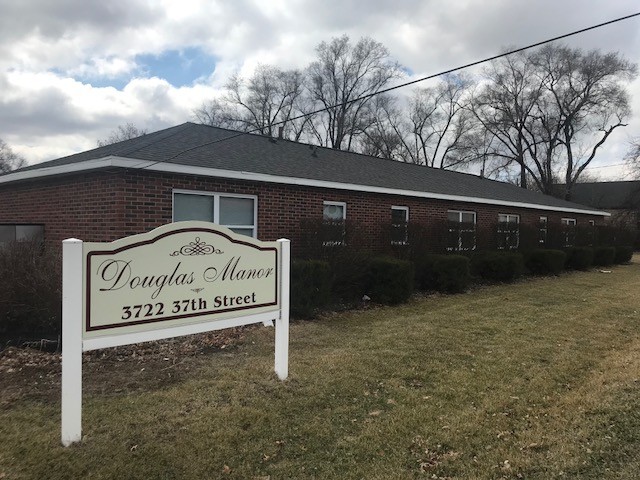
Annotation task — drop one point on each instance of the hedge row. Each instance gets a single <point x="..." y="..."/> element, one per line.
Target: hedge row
<point x="351" y="277"/>
<point x="30" y="279"/>
<point x="443" y="273"/>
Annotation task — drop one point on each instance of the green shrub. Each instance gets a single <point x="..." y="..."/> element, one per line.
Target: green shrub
<point x="310" y="287"/>
<point x="604" y="256"/>
<point x="349" y="270"/>
<point x="30" y="291"/>
<point x="498" y="266"/>
<point x="579" y="258"/>
<point x="444" y="273"/>
<point x="425" y="276"/>
<point x="389" y="280"/>
<point x="452" y="273"/>
<point x="545" y="262"/>
<point x="623" y="254"/>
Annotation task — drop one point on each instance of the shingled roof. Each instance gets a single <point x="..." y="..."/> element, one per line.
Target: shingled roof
<point x="194" y="148"/>
<point x="608" y="195"/>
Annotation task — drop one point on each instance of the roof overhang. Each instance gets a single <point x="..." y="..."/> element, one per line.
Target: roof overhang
<point x="122" y="162"/>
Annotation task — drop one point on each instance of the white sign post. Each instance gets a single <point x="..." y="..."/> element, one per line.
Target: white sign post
<point x="179" y="279"/>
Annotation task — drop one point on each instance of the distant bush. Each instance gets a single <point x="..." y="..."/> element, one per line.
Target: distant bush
<point x="389" y="280"/>
<point x="579" y="258"/>
<point x="310" y="287"/>
<point x="444" y="273"/>
<point x="498" y="266"/>
<point x="623" y="254"/>
<point x="604" y="256"/>
<point x="30" y="290"/>
<point x="545" y="262"/>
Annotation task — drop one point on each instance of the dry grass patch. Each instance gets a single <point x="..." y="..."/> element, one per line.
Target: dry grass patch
<point x="534" y="380"/>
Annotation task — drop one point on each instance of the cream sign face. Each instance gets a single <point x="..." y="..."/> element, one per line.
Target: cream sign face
<point x="179" y="274"/>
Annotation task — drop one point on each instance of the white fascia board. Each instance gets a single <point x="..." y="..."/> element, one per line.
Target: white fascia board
<point x="113" y="161"/>
<point x="96" y="164"/>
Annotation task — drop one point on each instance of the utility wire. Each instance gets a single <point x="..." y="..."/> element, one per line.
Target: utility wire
<point x="607" y="166"/>
<point x="406" y="84"/>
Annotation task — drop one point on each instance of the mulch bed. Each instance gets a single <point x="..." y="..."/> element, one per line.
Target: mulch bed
<point x="28" y="373"/>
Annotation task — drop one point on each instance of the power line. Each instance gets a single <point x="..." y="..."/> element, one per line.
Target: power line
<point x="607" y="166"/>
<point x="406" y="84"/>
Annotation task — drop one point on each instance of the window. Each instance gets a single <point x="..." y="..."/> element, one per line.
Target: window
<point x="462" y="230"/>
<point x="508" y="231"/>
<point x="334" y="215"/>
<point x="542" y="238"/>
<point x="21" y="233"/>
<point x="569" y="230"/>
<point x="236" y="212"/>
<point x="399" y="224"/>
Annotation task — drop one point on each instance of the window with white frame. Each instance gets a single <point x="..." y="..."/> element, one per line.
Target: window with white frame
<point x="10" y="233"/>
<point x="542" y="238"/>
<point x="334" y="215"/>
<point x="569" y="230"/>
<point x="462" y="230"/>
<point x="508" y="233"/>
<point x="399" y="225"/>
<point x="236" y="212"/>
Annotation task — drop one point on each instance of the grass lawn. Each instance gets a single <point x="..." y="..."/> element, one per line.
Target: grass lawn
<point x="540" y="379"/>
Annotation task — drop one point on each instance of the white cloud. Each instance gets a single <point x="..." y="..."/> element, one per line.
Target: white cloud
<point x="44" y="114"/>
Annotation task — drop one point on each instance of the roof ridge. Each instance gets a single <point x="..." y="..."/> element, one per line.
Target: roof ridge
<point x="157" y="136"/>
<point x="339" y="151"/>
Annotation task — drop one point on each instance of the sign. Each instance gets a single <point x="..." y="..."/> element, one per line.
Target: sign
<point x="179" y="279"/>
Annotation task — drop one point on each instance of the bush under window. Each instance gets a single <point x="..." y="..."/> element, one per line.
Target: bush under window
<point x="545" y="262"/>
<point x="310" y="287"/>
<point x="604" y="256"/>
<point x="579" y="258"/>
<point x="444" y="273"/>
<point x="389" y="280"/>
<point x="498" y="266"/>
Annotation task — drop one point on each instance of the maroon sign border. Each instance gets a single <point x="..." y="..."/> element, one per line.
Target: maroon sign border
<point x="90" y="328"/>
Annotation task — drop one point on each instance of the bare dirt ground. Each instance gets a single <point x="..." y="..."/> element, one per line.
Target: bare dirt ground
<point x="32" y="374"/>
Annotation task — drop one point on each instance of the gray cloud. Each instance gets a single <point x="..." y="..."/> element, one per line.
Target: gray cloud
<point x="99" y="39"/>
<point x="53" y="19"/>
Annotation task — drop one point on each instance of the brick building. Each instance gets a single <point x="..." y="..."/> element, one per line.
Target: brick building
<point x="267" y="188"/>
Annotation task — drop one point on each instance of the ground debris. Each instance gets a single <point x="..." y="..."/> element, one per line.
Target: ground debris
<point x="430" y="457"/>
<point x="33" y="373"/>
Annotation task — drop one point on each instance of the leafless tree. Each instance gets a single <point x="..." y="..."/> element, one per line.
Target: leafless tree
<point x="9" y="160"/>
<point x="218" y="113"/>
<point x="266" y="102"/>
<point x="633" y="157"/>
<point x="505" y="108"/>
<point x="435" y="128"/>
<point x="386" y="129"/>
<point x="343" y="80"/>
<point x="122" y="133"/>
<point x="550" y="111"/>
<point x="440" y="124"/>
<point x="588" y="102"/>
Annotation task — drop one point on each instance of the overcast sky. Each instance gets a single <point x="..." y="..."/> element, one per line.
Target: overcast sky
<point x="71" y="71"/>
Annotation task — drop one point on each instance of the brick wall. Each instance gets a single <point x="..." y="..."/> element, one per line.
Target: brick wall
<point x="106" y="205"/>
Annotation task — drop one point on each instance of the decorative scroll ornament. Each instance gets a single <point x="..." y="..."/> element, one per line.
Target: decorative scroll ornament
<point x="197" y="248"/>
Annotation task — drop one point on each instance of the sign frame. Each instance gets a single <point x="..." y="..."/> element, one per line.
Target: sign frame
<point x="76" y="304"/>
